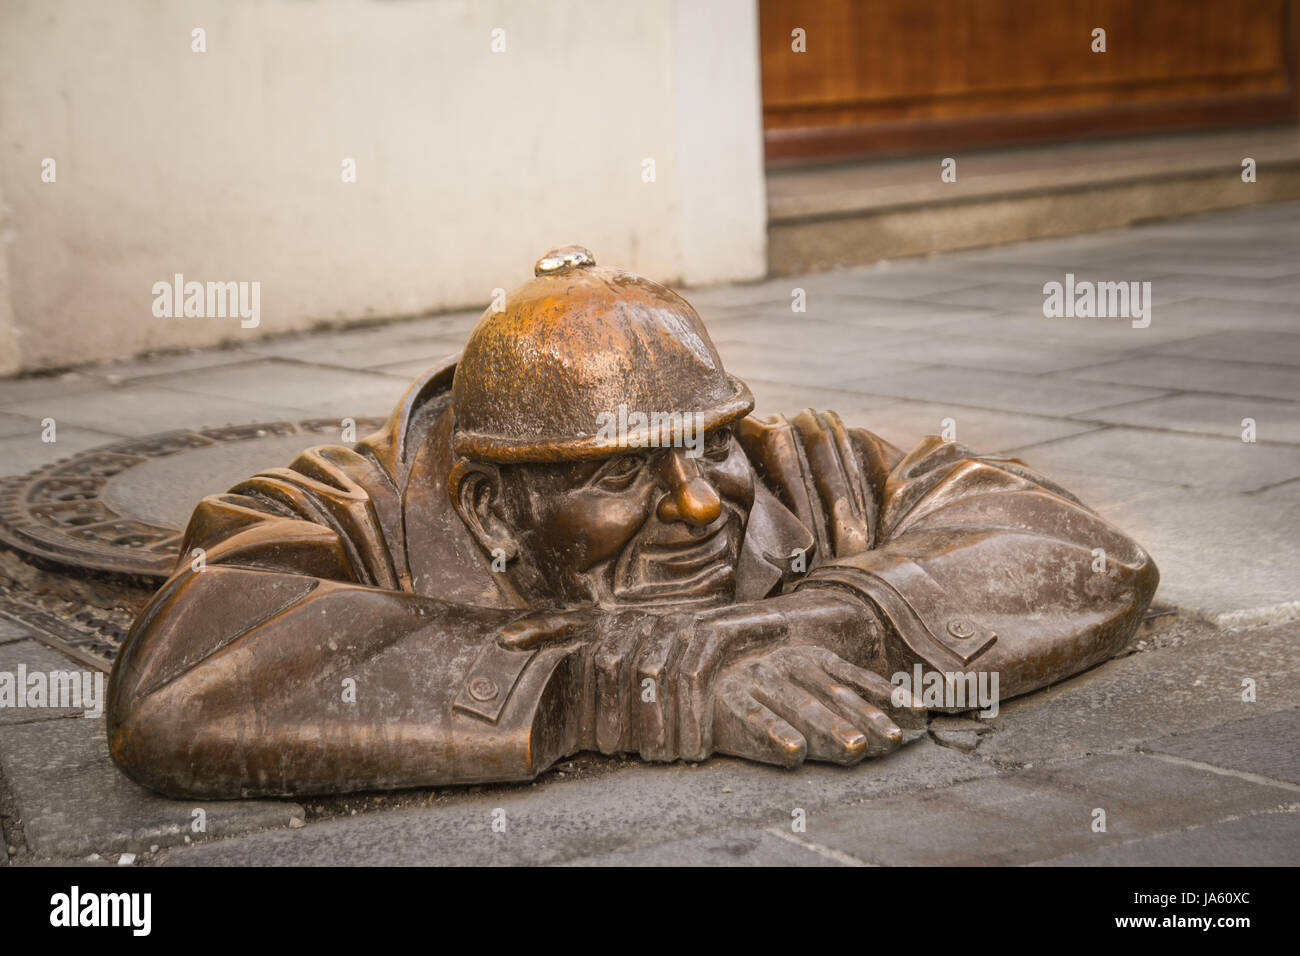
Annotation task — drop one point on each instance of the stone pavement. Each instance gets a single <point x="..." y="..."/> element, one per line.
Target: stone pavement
<point x="1145" y="424"/>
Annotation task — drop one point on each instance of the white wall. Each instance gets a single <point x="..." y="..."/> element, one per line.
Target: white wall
<point x="225" y="165"/>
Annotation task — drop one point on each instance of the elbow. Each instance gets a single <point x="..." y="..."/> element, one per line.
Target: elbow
<point x="1146" y="578"/>
<point x="143" y="745"/>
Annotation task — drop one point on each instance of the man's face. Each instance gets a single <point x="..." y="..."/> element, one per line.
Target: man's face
<point x="649" y="526"/>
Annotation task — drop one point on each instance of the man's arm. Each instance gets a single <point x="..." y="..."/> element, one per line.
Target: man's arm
<point x="287" y="655"/>
<point x="240" y="682"/>
<point x="971" y="561"/>
<point x="981" y="564"/>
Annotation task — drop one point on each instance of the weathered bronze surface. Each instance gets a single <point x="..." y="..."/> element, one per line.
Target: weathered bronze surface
<point x="540" y="553"/>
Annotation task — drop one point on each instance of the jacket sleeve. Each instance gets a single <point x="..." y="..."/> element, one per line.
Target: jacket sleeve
<point x="975" y="562"/>
<point x="288" y="655"/>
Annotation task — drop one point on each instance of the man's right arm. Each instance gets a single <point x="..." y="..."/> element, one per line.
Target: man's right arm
<point x="288" y="655"/>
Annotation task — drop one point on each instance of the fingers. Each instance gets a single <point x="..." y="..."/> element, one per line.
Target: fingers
<point x="830" y="736"/>
<point x="837" y="478"/>
<point x="745" y="728"/>
<point x="902" y="707"/>
<point x="715" y="638"/>
<point x="616" y="698"/>
<point x="882" y="734"/>
<point x="656" y="719"/>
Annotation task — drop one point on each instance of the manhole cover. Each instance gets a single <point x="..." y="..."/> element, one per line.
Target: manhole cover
<point x="122" y="508"/>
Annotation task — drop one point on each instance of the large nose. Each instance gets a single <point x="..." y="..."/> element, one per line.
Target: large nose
<point x="691" y="497"/>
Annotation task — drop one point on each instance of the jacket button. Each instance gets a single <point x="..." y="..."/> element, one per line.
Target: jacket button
<point x="483" y="688"/>
<point x="961" y="628"/>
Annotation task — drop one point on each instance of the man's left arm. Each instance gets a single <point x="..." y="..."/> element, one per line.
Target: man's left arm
<point x="982" y="564"/>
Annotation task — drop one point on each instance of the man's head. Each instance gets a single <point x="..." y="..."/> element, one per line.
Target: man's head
<point x="596" y="460"/>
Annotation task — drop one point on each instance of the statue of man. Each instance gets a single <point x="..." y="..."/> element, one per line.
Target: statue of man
<point x="574" y="536"/>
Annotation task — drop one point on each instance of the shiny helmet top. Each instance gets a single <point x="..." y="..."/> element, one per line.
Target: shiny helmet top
<point x="537" y="379"/>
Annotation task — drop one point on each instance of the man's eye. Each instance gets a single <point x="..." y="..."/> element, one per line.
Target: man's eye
<point x="621" y="473"/>
<point x="717" y="445"/>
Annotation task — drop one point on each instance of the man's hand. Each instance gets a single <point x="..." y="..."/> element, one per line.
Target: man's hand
<point x="727" y="680"/>
<point x="804" y="702"/>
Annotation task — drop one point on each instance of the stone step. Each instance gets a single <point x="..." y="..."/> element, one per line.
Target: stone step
<point x="821" y="217"/>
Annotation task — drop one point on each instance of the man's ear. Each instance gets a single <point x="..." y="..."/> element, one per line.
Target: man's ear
<point x="475" y="491"/>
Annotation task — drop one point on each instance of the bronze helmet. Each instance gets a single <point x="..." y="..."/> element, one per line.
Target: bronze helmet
<point x="572" y="345"/>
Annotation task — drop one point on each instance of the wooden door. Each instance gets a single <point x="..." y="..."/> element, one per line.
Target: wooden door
<point x="889" y="75"/>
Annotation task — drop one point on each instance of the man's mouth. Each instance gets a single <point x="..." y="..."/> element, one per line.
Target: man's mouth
<point x="688" y="558"/>
<point x="696" y="566"/>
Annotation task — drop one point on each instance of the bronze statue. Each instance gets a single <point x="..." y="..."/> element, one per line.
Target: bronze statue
<point x="576" y="537"/>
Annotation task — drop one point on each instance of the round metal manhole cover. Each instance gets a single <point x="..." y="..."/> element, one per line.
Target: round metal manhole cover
<point x="122" y="508"/>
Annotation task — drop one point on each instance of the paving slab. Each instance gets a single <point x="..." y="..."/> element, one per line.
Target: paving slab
<point x="1060" y="252"/>
<point x="905" y="423"/>
<point x="829" y="336"/>
<point x="26" y="452"/>
<point x="12" y="631"/>
<point x="73" y="801"/>
<point x="45" y="386"/>
<point x="1039" y="814"/>
<point x="1031" y="273"/>
<point x="1204" y="242"/>
<point x="724" y="848"/>
<point x="1284" y="293"/>
<point x="157" y="407"/>
<point x="1034" y="328"/>
<point x="891" y="281"/>
<point x="1268" y="745"/>
<point x="1275" y="421"/>
<point x="1223" y="555"/>
<point x="1192" y="263"/>
<point x="362" y="348"/>
<point x="1187" y="683"/>
<point x="29" y="657"/>
<point x="1215" y="307"/>
<point x="115" y="373"/>
<point x="1243" y="345"/>
<point x="414" y="369"/>
<point x="899" y="314"/>
<point x="559" y="819"/>
<point x="1244" y="222"/>
<point x="1286" y="492"/>
<point x="1003" y="391"/>
<point x="11" y="425"/>
<point x="1197" y="461"/>
<point x="799" y="367"/>
<point x="455" y="324"/>
<point x="1024" y="296"/>
<point x="741" y="295"/>
<point x="315" y="389"/>
<point x="1200" y="375"/>
<point x="973" y="352"/>
<point x="164" y="491"/>
<point x="1265" y="839"/>
<point x="856" y="409"/>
